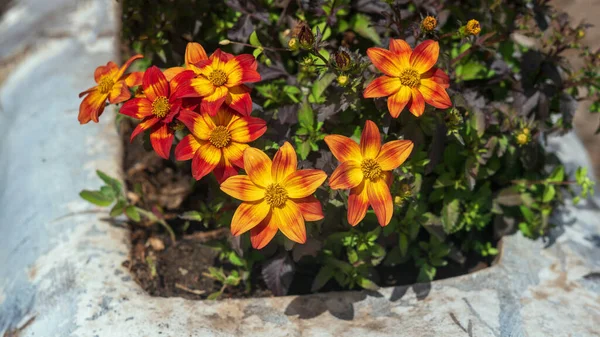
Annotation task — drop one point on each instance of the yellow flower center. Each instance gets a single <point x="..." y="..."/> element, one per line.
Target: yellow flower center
<point x="371" y="169"/>
<point x="410" y="77"/>
<point x="275" y="195"/>
<point x="217" y="77"/>
<point x="522" y="139"/>
<point x="429" y="23"/>
<point x="106" y="83"/>
<point x="473" y="27"/>
<point x="161" y="106"/>
<point x="220" y="137"/>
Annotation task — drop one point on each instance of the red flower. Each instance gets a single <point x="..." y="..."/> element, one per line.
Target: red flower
<point x="158" y="108"/>
<point x="112" y="85"/>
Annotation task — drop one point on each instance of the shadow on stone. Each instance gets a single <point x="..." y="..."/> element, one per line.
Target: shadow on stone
<point x="421" y="291"/>
<point x="340" y="305"/>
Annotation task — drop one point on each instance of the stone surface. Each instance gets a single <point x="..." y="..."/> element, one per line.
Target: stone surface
<point x="61" y="262"/>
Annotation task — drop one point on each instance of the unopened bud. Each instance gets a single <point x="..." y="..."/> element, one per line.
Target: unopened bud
<point x="293" y="43"/>
<point x="473" y="27"/>
<point x="305" y="36"/>
<point x="341" y="59"/>
<point x="342" y="80"/>
<point x="224" y="42"/>
<point x="428" y="24"/>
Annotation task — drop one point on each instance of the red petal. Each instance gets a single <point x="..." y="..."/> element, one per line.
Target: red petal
<point x="347" y="175"/>
<point x="206" y="159"/>
<point x="161" y="139"/>
<point x="381" y="200"/>
<point x="425" y="56"/>
<point x="310" y="207"/>
<point x="238" y="98"/>
<point x="224" y="170"/>
<point x="434" y="94"/>
<point x="382" y="87"/>
<point x="144" y="125"/>
<point x="284" y="162"/>
<point x="262" y="234"/>
<point x="343" y="148"/>
<point x="186" y="149"/>
<point x="358" y="202"/>
<point x="194" y="53"/>
<point x="394" y="153"/>
<point x="181" y="79"/>
<point x="397" y="102"/>
<point x="137" y="108"/>
<point x="155" y="84"/>
<point x="386" y="61"/>
<point x="417" y="106"/>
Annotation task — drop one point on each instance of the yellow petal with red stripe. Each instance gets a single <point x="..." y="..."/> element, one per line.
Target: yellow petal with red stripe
<point x="194" y="53"/>
<point x="119" y="93"/>
<point x="91" y="107"/>
<point x="437" y="75"/>
<point x="358" y="203"/>
<point x="303" y="183"/>
<point x="417" y="103"/>
<point x="212" y="103"/>
<point x="397" y="102"/>
<point x="181" y="79"/>
<point x="284" y="162"/>
<point x="200" y="125"/>
<point x="343" y="148"/>
<point x="238" y="98"/>
<point x="262" y="234"/>
<point x="394" y="153"/>
<point x="206" y="159"/>
<point x="258" y="166"/>
<point x="403" y="50"/>
<point x="380" y="199"/>
<point x="246" y="129"/>
<point x="242" y="188"/>
<point x="290" y="221"/>
<point x="425" y="56"/>
<point x="310" y="207"/>
<point x="144" y="125"/>
<point x="155" y="84"/>
<point x="134" y="79"/>
<point x="370" y="140"/>
<point x="434" y="94"/>
<point x="187" y="147"/>
<point x="384" y="60"/>
<point x="162" y="139"/>
<point x="382" y="87"/>
<point x="224" y="169"/>
<point x="234" y="73"/>
<point x="346" y="176"/>
<point x="248" y="215"/>
<point x="234" y="152"/>
<point x="138" y="108"/>
<point x="110" y="69"/>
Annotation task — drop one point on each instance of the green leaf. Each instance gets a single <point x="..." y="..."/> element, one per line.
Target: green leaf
<point x="365" y="283"/>
<point x="118" y="208"/>
<point x="527" y="214"/>
<point x="352" y="256"/>
<point x="557" y="175"/>
<point x="192" y="215"/>
<point x="236" y="260"/>
<point x="403" y="244"/>
<point x="450" y="214"/>
<point x="254" y="40"/>
<point x="96" y="198"/>
<point x="306" y="116"/>
<point x="426" y="273"/>
<point x="325" y="30"/>
<point x="321" y="84"/>
<point x="549" y="193"/>
<point x="361" y="24"/>
<point x="110" y="181"/>
<point x="132" y="213"/>
<point x="214" y="296"/>
<point x="323" y="276"/>
<point x="304" y="150"/>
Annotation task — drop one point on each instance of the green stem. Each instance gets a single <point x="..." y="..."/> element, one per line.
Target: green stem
<point x="150" y="216"/>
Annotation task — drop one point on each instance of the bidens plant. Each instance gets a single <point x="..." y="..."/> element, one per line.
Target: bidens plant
<point x="319" y="173"/>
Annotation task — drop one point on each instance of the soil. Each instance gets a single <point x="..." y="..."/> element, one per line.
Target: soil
<point x="164" y="268"/>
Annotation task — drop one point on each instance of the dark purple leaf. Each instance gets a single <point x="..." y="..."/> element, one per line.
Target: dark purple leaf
<point x="278" y="273"/>
<point x="288" y="114"/>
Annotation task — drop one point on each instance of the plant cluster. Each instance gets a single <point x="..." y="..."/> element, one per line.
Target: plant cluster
<point x="432" y="147"/>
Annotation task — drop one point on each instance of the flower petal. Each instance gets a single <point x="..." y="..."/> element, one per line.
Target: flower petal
<point x="290" y="221"/>
<point x="119" y="93"/>
<point x="262" y="234"/>
<point x="110" y="69"/>
<point x="139" y="108"/>
<point x="382" y="87"/>
<point x="343" y="148"/>
<point x="248" y="65"/>
<point x="202" y="86"/>
<point x="187" y="147"/>
<point x="403" y="50"/>
<point x="385" y="60"/>
<point x="194" y="53"/>
<point x="358" y="202"/>
<point x="284" y="162"/>
<point x="224" y="170"/>
<point x="161" y="139"/>
<point x="134" y="79"/>
<point x="92" y="107"/>
<point x="435" y="94"/>
<point x="242" y="188"/>
<point x="347" y="175"/>
<point x="310" y="207"/>
<point x="126" y="65"/>
<point x="206" y="159"/>
<point x="381" y="200"/>
<point x="248" y="215"/>
<point x="238" y="98"/>
<point x="303" y="183"/>
<point x="155" y="84"/>
<point x="234" y="73"/>
<point x="234" y="153"/>
<point x="170" y="73"/>
<point x="417" y="103"/>
<point x="258" y="166"/>
<point x="425" y="56"/>
<point x="144" y="125"/>
<point x="200" y="125"/>
<point x="246" y="129"/>
<point x="211" y="104"/>
<point x="437" y="75"/>
<point x="394" y="153"/>
<point x="370" y="140"/>
<point x="397" y="102"/>
<point x="183" y="78"/>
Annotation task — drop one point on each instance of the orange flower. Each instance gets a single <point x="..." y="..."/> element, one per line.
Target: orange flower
<point x="112" y="85"/>
<point x="365" y="170"/>
<point x="217" y="143"/>
<point x="158" y="108"/>
<point x="275" y="196"/>
<point x="219" y="79"/>
<point x="410" y="77"/>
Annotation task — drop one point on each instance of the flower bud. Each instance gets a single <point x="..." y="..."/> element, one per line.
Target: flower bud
<point x="428" y="24"/>
<point x="523" y="137"/>
<point x="224" y="42"/>
<point x="472" y="27"/>
<point x="341" y="59"/>
<point x="342" y="80"/>
<point x="293" y="44"/>
<point x="305" y="36"/>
